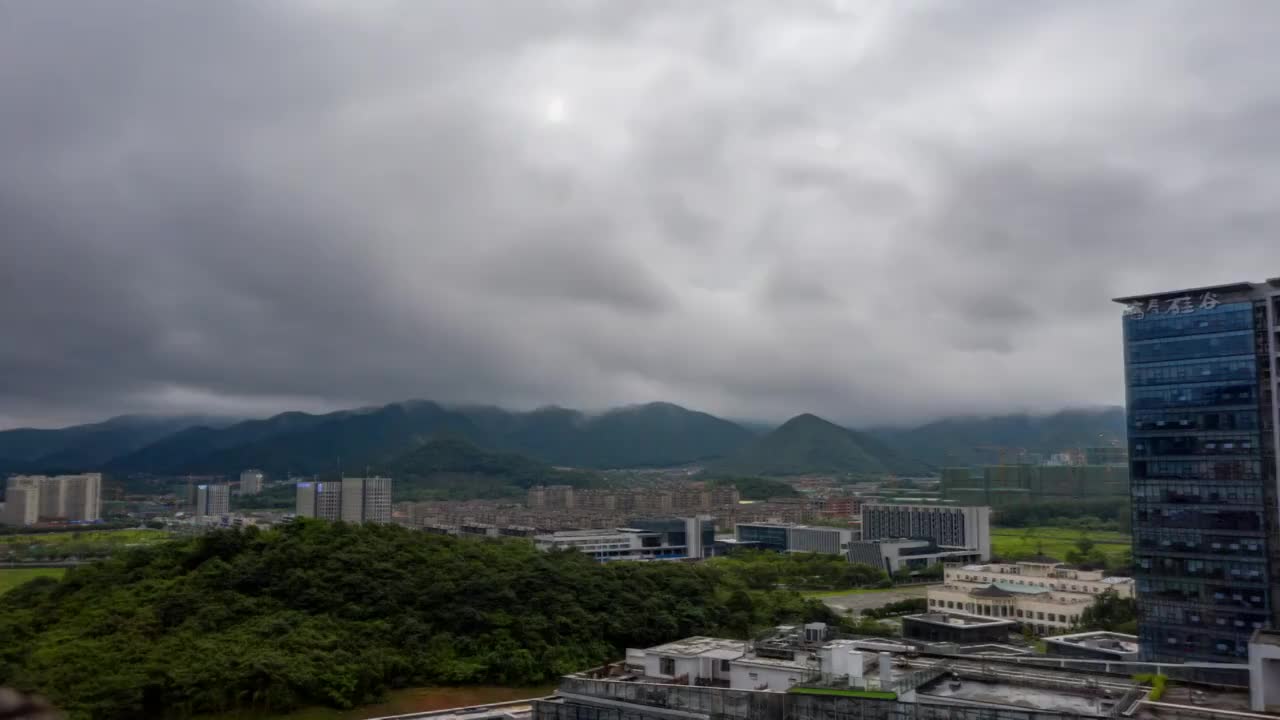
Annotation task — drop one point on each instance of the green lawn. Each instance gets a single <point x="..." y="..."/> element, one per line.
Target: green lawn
<point x="848" y="591"/>
<point x="1009" y="543"/>
<point x="11" y="578"/>
<point x="108" y="537"/>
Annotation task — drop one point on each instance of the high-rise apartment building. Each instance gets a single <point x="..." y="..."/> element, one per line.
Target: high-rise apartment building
<point x="75" y="498"/>
<point x="213" y="499"/>
<point x="1200" y="376"/>
<point x="321" y="500"/>
<point x="21" y="502"/>
<point x="251" y="482"/>
<point x="948" y="526"/>
<point x="357" y="500"/>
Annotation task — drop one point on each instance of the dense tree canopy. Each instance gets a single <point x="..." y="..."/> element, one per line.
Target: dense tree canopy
<point x="333" y="614"/>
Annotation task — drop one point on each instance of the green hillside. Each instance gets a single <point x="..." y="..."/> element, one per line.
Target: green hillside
<point x="808" y="444"/>
<point x="317" y="613"/>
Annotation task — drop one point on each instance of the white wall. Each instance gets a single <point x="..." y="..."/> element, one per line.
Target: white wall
<point x="778" y="679"/>
<point x="1264" y="677"/>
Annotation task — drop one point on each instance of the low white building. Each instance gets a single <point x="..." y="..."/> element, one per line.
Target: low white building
<point x="692" y="661"/>
<point x="1046" y="596"/>
<point x="775" y="665"/>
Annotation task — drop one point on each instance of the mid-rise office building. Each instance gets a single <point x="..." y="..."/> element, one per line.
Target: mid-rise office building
<point x="650" y="539"/>
<point x="795" y="538"/>
<point x="967" y="527"/>
<point x="21" y="502"/>
<point x="251" y="482"/>
<point x="213" y="499"/>
<point x="1200" y="375"/>
<point x="355" y="500"/>
<point x="69" y="498"/>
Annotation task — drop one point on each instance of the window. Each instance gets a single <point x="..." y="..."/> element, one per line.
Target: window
<point x="753" y="676"/>
<point x="1039" y="616"/>
<point x="724" y="666"/>
<point x="666" y="666"/>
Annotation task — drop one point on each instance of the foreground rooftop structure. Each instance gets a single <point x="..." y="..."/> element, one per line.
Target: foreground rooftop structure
<point x="804" y="673"/>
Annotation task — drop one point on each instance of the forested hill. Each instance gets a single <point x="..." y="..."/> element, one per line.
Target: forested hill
<point x="808" y="444"/>
<point x="321" y="613"/>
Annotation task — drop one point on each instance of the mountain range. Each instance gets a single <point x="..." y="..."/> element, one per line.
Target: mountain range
<point x="651" y="435"/>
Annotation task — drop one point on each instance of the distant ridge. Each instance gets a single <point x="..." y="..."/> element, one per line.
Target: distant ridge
<point x="974" y="440"/>
<point x="656" y="434"/>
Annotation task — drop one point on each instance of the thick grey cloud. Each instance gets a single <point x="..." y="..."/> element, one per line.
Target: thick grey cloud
<point x="875" y="211"/>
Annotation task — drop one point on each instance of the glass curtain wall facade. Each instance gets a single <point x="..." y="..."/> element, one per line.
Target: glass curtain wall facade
<point x="1198" y="371"/>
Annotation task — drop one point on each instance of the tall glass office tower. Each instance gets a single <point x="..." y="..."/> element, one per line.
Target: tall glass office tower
<point x="1201" y="378"/>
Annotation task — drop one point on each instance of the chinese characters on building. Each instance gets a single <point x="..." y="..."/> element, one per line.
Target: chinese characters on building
<point x="1184" y="305"/>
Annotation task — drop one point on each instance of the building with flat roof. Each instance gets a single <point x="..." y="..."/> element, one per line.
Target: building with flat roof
<point x="967" y="527"/>
<point x="1094" y="645"/>
<point x="792" y="537"/>
<point x="1004" y="485"/>
<point x="321" y="500"/>
<point x="21" y="502"/>
<point x="213" y="499"/>
<point x="689" y="538"/>
<point x="1048" y="597"/>
<point x="1201" y="379"/>
<point x="907" y="555"/>
<point x="956" y="627"/>
<point x="366" y="500"/>
<point x="72" y="498"/>
<point x="251" y="482"/>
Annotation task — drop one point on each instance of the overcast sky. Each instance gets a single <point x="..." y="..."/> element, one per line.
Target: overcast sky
<point x="874" y="211"/>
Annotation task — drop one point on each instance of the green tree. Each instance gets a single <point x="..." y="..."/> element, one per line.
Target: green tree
<point x="1110" y="612"/>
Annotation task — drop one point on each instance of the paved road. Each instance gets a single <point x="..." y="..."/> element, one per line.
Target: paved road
<point x="866" y="601"/>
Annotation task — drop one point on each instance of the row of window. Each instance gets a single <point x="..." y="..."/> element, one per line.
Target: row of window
<point x="1193" y="518"/>
<point x="1196" y="469"/>
<point x="1003" y="611"/>
<point x="1164" y="397"/>
<point x="1240" y="367"/>
<point x="1145" y="325"/>
<point x="1184" y="492"/>
<point x="1184" y="644"/>
<point x="1203" y="444"/>
<point x="1161" y="421"/>
<point x="1059" y="586"/>
<point x="1194" y="542"/>
<point x="1190" y="348"/>
<point x="1199" y="617"/>
<point x="1155" y="589"/>
<point x="1190" y="568"/>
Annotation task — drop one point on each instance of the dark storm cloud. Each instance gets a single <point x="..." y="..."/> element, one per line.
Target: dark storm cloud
<point x="873" y="211"/>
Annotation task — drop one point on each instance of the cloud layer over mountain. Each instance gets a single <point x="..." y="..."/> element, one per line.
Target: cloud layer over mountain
<point x="874" y="211"/>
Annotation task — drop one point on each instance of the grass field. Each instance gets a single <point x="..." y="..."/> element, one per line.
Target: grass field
<point x="11" y="578"/>
<point x="1009" y="543"/>
<point x="106" y="537"/>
